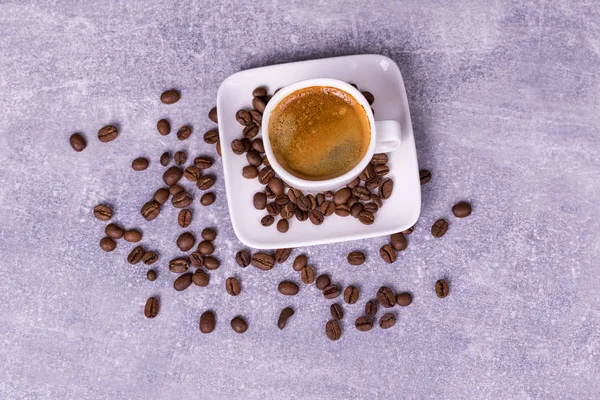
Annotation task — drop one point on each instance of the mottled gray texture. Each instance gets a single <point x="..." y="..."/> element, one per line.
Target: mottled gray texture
<point x="505" y="99"/>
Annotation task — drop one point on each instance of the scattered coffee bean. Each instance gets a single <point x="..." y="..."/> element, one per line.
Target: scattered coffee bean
<point x="373" y="183"/>
<point x="387" y="321"/>
<point x="409" y="230"/>
<point x="302" y="202"/>
<point x="273" y="208"/>
<point x="250" y="131"/>
<point x="356" y="258"/>
<point x="197" y="259"/>
<point x="337" y="312"/>
<point x="243" y="117"/>
<point x="186" y="241"/>
<point x="299" y="262"/>
<point x="316" y="217"/>
<point x="108" y="133"/>
<point x="163" y="127"/>
<point x="368" y="173"/>
<point x="276" y="185"/>
<point x="282" y="200"/>
<point x="172" y="176"/>
<point x="207" y="322"/>
<point x="170" y="96"/>
<point x="265" y="175"/>
<point x="312" y="200"/>
<point x="114" y="231"/>
<point x="239" y="325"/>
<point x="135" y="256"/>
<point x="103" y="212"/>
<point x="139" y="164"/>
<point x="211" y="136"/>
<point x="387" y="253"/>
<point x="386" y="297"/>
<point x="404" y="299"/>
<point x="181" y="200"/>
<point x="205" y="182"/>
<point x="180" y="157"/>
<point x="342" y="210"/>
<point x="380" y="158"/>
<point x="232" y="286"/>
<point x="364" y="323"/>
<point x="352" y="201"/>
<point x="151" y="308"/>
<point x="206" y="247"/>
<point x="249" y="172"/>
<point x="256" y="118"/>
<point x="269" y="193"/>
<point x="165" y="159"/>
<point x="184" y="219"/>
<point x="442" y="288"/>
<point x="354" y="183"/>
<point x="192" y="173"/>
<point x="200" y="278"/>
<point x="385" y="188"/>
<point x="377" y="200"/>
<point x="174" y="189"/>
<point x="259" y="104"/>
<point x="369" y="96"/>
<point x="371" y="308"/>
<point x="398" y="241"/>
<point x="366" y="217"/>
<point x="183" y="282"/>
<point x="288" y="288"/>
<point x="258" y="145"/>
<point x="381" y="170"/>
<point x="351" y="295"/>
<point x="281" y="255"/>
<point x="161" y="196"/>
<point x="203" y="162"/>
<point x="320" y="199"/>
<point x="259" y="92"/>
<point x="266" y="162"/>
<point x="150" y="210"/>
<point x="184" y="132"/>
<point x="283" y="225"/>
<point x="211" y="263"/>
<point x="362" y="193"/>
<point x="179" y="265"/>
<point x="150" y="257"/>
<point x="77" y="142"/>
<point x="285" y="314"/>
<point x="151" y="275"/>
<point x="263" y="261"/>
<point x="132" y="235"/>
<point x="425" y="176"/>
<point x="307" y="274"/>
<point x="356" y="209"/>
<point x="327" y="208"/>
<point x="218" y="148"/>
<point x="242" y="257"/>
<point x="254" y="158"/>
<point x="332" y="330"/>
<point x="439" y="228"/>
<point x="300" y="215"/>
<point x="322" y="281"/>
<point x="107" y="244"/>
<point x="342" y="196"/>
<point x="267" y="220"/>
<point x="260" y="201"/>
<point x="331" y="291"/>
<point x="207" y="199"/>
<point x="237" y="147"/>
<point x="461" y="210"/>
<point x="212" y="115"/>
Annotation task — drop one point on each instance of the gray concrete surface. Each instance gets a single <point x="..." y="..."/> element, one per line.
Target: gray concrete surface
<point x="505" y="100"/>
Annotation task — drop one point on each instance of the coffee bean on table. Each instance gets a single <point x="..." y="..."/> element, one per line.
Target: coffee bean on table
<point x="197" y="259"/>
<point x="181" y="200"/>
<point x="322" y="281"/>
<point x="149" y="257"/>
<point x="342" y="196"/>
<point x="387" y="253"/>
<point x="192" y="173"/>
<point x="398" y="241"/>
<point x="299" y="262"/>
<point x="332" y="330"/>
<point x="135" y="256"/>
<point x="267" y="220"/>
<point x="205" y="182"/>
<point x="259" y="104"/>
<point x="288" y="288"/>
<point x="172" y="175"/>
<point x="342" y="210"/>
<point x="461" y="210"/>
<point x="132" y="235"/>
<point x="386" y="297"/>
<point x="151" y="308"/>
<point x="380" y="158"/>
<point x="183" y="282"/>
<point x="307" y="274"/>
<point x="366" y="217"/>
<point x="242" y="257"/>
<point x="179" y="265"/>
<point x="200" y="278"/>
<point x="442" y="288"/>
<point x="203" y="162"/>
<point x="404" y="299"/>
<point x="114" y="231"/>
<point x="337" y="312"/>
<point x="211" y="263"/>
<point x="351" y="295"/>
<point x="186" y="241"/>
<point x="356" y="258"/>
<point x="331" y="291"/>
<point x="184" y="219"/>
<point x="232" y="286"/>
<point x="327" y="208"/>
<point x="364" y="323"/>
<point x="150" y="210"/>
<point x="206" y="247"/>
<point x="284" y="315"/>
<point x="139" y="164"/>
<point x="425" y="176"/>
<point x="77" y="142"/>
<point x="180" y="157"/>
<point x="211" y="136"/>
<point x="283" y="225"/>
<point x="263" y="261"/>
<point x="184" y="132"/>
<point x="371" y="308"/>
<point x="250" y="131"/>
<point x="161" y="196"/>
<point x="316" y="217"/>
<point x="387" y="321"/>
<point x="163" y="127"/>
<point x="249" y="172"/>
<point x="237" y="147"/>
<point x="369" y="96"/>
<point x="239" y="325"/>
<point x="439" y="228"/>
<point x="165" y="158"/>
<point x="207" y="199"/>
<point x="174" y="189"/>
<point x="170" y="96"/>
<point x="207" y="322"/>
<point x="103" y="212"/>
<point x="385" y="188"/>
<point x="151" y="275"/>
<point x="107" y="244"/>
<point x="212" y="115"/>
<point x="108" y="133"/>
<point x="281" y="255"/>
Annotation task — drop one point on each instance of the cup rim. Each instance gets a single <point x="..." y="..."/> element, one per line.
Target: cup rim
<point x="332" y="183"/>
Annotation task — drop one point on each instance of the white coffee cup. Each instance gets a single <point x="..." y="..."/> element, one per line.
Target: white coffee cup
<point x="385" y="136"/>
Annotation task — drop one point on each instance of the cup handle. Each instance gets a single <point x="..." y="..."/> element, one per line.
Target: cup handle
<point x="389" y="136"/>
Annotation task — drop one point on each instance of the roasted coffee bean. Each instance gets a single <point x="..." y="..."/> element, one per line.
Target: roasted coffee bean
<point x="442" y="288"/>
<point x="212" y="115"/>
<point x="77" y="142"/>
<point x="424" y="176"/>
<point x="203" y="162"/>
<point x="259" y="104"/>
<point x="387" y="321"/>
<point x="369" y="96"/>
<point x="354" y="183"/>
<point x="135" y="256"/>
<point x="211" y="136"/>
<point x="352" y="201"/>
<point x="184" y="219"/>
<point x="149" y="257"/>
<point x="184" y="132"/>
<point x="287" y="211"/>
<point x="263" y="261"/>
<point x="342" y="196"/>
<point x="337" y="312"/>
<point x="151" y="275"/>
<point x="288" y="288"/>
<point x="163" y="127"/>
<point x="181" y="200"/>
<point x="356" y="209"/>
<point x="307" y="274"/>
<point x="398" y="241"/>
<point x="170" y="96"/>
<point x="179" y="265"/>
<point x="342" y="210"/>
<point x="266" y="162"/>
<point x="108" y="133"/>
<point x="282" y="200"/>
<point x="205" y="182"/>
<point x="114" y="231"/>
<point x="103" y="212"/>
<point x="331" y="291"/>
<point x="461" y="210"/>
<point x="327" y="208"/>
<point x="302" y="202"/>
<point x="385" y="188"/>
<point x="107" y="244"/>
<point x="140" y="164"/>
<point x="239" y="325"/>
<point x="373" y="183"/>
<point x="387" y="253"/>
<point x="242" y="257"/>
<point x="371" y="207"/>
<point x="313" y="202"/>
<point x="256" y="117"/>
<point x="150" y="210"/>
<point x="366" y="217"/>
<point x="151" y="308"/>
<point x="211" y="263"/>
<point x="259" y="92"/>
<point x="299" y="262"/>
<point x="258" y="145"/>
<point x="174" y="189"/>
<point x="385" y="297"/>
<point x="207" y="322"/>
<point x="207" y="199"/>
<point x="232" y="286"/>
<point x="380" y="158"/>
<point x="332" y="330"/>
<point x="281" y="255"/>
<point x="237" y="147"/>
<point x="362" y="193"/>
<point x="250" y="131"/>
<point x="364" y="323"/>
<point x="183" y="282"/>
<point x="377" y="200"/>
<point x="368" y="173"/>
<point x="323" y="281"/>
<point x="300" y="215"/>
<point x="218" y="148"/>
<point x="320" y="199"/>
<point x="165" y="159"/>
<point x="267" y="220"/>
<point x="293" y="194"/>
<point x="356" y="258"/>
<point x="381" y="170"/>
<point x="316" y="217"/>
<point x="260" y="201"/>
<point x="206" y="247"/>
<point x="440" y="228"/>
<point x="265" y="175"/>
<point x="161" y="196"/>
<point x="285" y="314"/>
<point x="273" y="208"/>
<point x="249" y="172"/>
<point x="180" y="157"/>
<point x="200" y="278"/>
<point x="192" y="173"/>
<point x="276" y="185"/>
<point x="351" y="294"/>
<point x="186" y="241"/>
<point x="409" y="230"/>
<point x="132" y="235"/>
<point x="172" y="175"/>
<point x="243" y="117"/>
<point x="371" y="308"/>
<point x="404" y="299"/>
<point x="197" y="259"/>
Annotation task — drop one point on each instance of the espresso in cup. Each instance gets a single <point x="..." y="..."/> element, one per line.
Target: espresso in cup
<point x="319" y="133"/>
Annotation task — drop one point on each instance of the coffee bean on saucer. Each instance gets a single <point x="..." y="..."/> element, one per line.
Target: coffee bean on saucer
<point x="132" y="235"/>
<point x="439" y="228"/>
<point x="385" y="188"/>
<point x="184" y="132"/>
<point x="212" y="115"/>
<point x="263" y="261"/>
<point x="183" y="282"/>
<point x="354" y="183"/>
<point x="442" y="288"/>
<point x="170" y="96"/>
<point x="366" y="217"/>
<point x="149" y="257"/>
<point x="174" y="189"/>
<point x="404" y="299"/>
<point x="209" y="234"/>
<point x="150" y="210"/>
<point x="362" y="193"/>
<point x="316" y="217"/>
<point x="307" y="274"/>
<point x="352" y="201"/>
<point x="332" y="330"/>
<point x="151" y="275"/>
<point x="184" y="219"/>
<point x="77" y="142"/>
<point x="161" y="196"/>
<point x="364" y="323"/>
<point x="327" y="208"/>
<point x="247" y="144"/>
<point x="266" y="162"/>
<point x="232" y="286"/>
<point x="250" y="131"/>
<point x="259" y="104"/>
<point x="398" y="241"/>
<point x="351" y="294"/>
<point x="200" y="278"/>
<point x="181" y="200"/>
<point x="211" y="263"/>
<point x="386" y="297"/>
<point x="172" y="175"/>
<point x="425" y="176"/>
<point x="211" y="136"/>
<point x="192" y="173"/>
<point x="380" y="158"/>
<point x="299" y="262"/>
<point x="356" y="209"/>
<point x="237" y="147"/>
<point x="376" y="200"/>
<point x="265" y="175"/>
<point x="369" y="96"/>
<point x="356" y="258"/>
<point x="328" y="194"/>
<point x="197" y="259"/>
<point x="151" y="308"/>
<point x="288" y="288"/>
<point x="276" y="185"/>
<point x="282" y="200"/>
<point x="371" y="308"/>
<point x="108" y="133"/>
<point x="259" y="200"/>
<point x="243" y="117"/>
<point x="387" y="253"/>
<point x="205" y="182"/>
<point x="269" y="192"/>
<point x="368" y="173"/>
<point x="107" y="244"/>
<point x="302" y="202"/>
<point x="114" y="231"/>
<point x="163" y="127"/>
<point x="186" y="241"/>
<point x="207" y="322"/>
<point x="180" y="157"/>
<point x="337" y="312"/>
<point x="331" y="291"/>
<point x="409" y="230"/>
<point x="203" y="162"/>
<point x="258" y="145"/>
<point x="179" y="265"/>
<point x="206" y="247"/>
<point x="342" y="196"/>
<point x="283" y="225"/>
<point x="267" y="220"/>
<point x="342" y="210"/>
<point x="207" y="199"/>
<point x="103" y="212"/>
<point x="254" y="158"/>
<point x="461" y="210"/>
<point x="300" y="215"/>
<point x="322" y="281"/>
<point x="259" y="92"/>
<point x="165" y="158"/>
<point x="382" y="169"/>
<point x="387" y="321"/>
<point x="242" y="258"/>
<point x="239" y="325"/>
<point x="320" y="199"/>
<point x="284" y="315"/>
<point x="281" y="255"/>
<point x="312" y="201"/>
<point x="273" y="208"/>
<point x="256" y="117"/>
<point x="373" y="183"/>
<point x="135" y="256"/>
<point x="249" y="172"/>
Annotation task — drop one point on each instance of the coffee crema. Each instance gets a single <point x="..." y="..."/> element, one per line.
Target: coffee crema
<point x="319" y="133"/>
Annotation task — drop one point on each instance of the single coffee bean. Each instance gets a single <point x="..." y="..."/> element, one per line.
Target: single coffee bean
<point x="356" y="258"/>
<point x="409" y="230"/>
<point x="322" y="281"/>
<point x="237" y="147"/>
<point x="182" y="200"/>
<point x="366" y="217"/>
<point x="259" y="104"/>
<point x="371" y="308"/>
<point x="342" y="196"/>
<point x="102" y="212"/>
<point x="247" y="144"/>
<point x="282" y="200"/>
<point x="150" y="257"/>
<point x="299" y="262"/>
<point x="354" y="183"/>
<point x="313" y="202"/>
<point x="184" y="132"/>
<point x="180" y="157"/>
<point x="316" y="217"/>
<point x="108" y="133"/>
<point x="211" y="136"/>
<point x="332" y="330"/>
<point x="77" y="142"/>
<point x="442" y="288"/>
<point x="174" y="189"/>
<point x="232" y="286"/>
<point x="263" y="261"/>
<point x="211" y="263"/>
<point x="327" y="208"/>
<point x="387" y="253"/>
<point x="269" y="193"/>
<point x="200" y="278"/>
<point x="381" y="170"/>
<point x="285" y="314"/>
<point x="250" y="131"/>
<point x="369" y="96"/>
<point x="172" y="175"/>
<point x="114" y="231"/>
<point x="273" y="208"/>
<point x="132" y="235"/>
<point x="260" y="201"/>
<point x="276" y="185"/>
<point x="351" y="294"/>
<point x="331" y="291"/>
<point x="179" y="265"/>
<point x="207" y="322"/>
<point x="151" y="275"/>
<point x="385" y="188"/>
<point x="368" y="173"/>
<point x="362" y="193"/>
<point x="170" y="96"/>
<point x="139" y="164"/>
<point x="107" y="244"/>
<point x="425" y="176"/>
<point x="352" y="201"/>
<point x="404" y="299"/>
<point x="373" y="183"/>
<point x="192" y="173"/>
<point x="242" y="257"/>
<point x="307" y="274"/>
<point x="342" y="210"/>
<point x="249" y="172"/>
<point x="151" y="308"/>
<point x="163" y="127"/>
<point x="293" y="194"/>
<point x="205" y="182"/>
<point x="386" y="297"/>
<point x="183" y="282"/>
<point x="288" y="288"/>
<point x="337" y="312"/>
<point x="239" y="325"/>
<point x="320" y="199"/>
<point x="212" y="115"/>
<point x="206" y="247"/>
<point x="203" y="162"/>
<point x="377" y="200"/>
<point x="186" y="241"/>
<point x="265" y="175"/>
<point x="281" y="255"/>
<point x="256" y="117"/>
<point x="218" y="148"/>
<point x="161" y="196"/>
<point x="300" y="215"/>
<point x="461" y="210"/>
<point x="136" y="255"/>
<point x="288" y="211"/>
<point x="283" y="225"/>
<point x="302" y="201"/>
<point x="165" y="159"/>
<point x="207" y="199"/>
<point x="243" y="117"/>
<point x="439" y="228"/>
<point x="398" y="241"/>
<point x="267" y="220"/>
<point x="197" y="259"/>
<point x="370" y="207"/>
<point x="150" y="210"/>
<point x="356" y="209"/>
<point x="258" y="145"/>
<point x="259" y="92"/>
<point x="364" y="323"/>
<point x="266" y="162"/>
<point x="184" y="219"/>
<point x="387" y="321"/>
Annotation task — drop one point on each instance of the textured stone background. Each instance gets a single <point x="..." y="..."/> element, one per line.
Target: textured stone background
<point x="505" y="100"/>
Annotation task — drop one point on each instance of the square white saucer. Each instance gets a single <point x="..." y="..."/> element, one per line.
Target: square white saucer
<point x="377" y="74"/>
